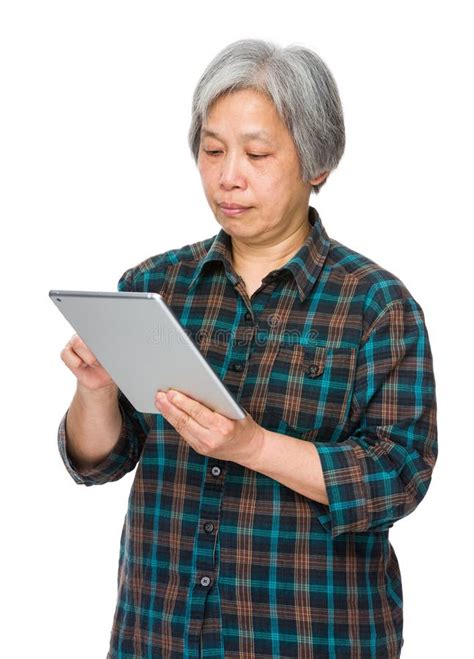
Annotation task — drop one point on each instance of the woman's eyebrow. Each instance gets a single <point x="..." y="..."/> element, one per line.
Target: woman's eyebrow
<point x="256" y="134"/>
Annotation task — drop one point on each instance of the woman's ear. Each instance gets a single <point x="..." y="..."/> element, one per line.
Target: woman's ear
<point x="319" y="179"/>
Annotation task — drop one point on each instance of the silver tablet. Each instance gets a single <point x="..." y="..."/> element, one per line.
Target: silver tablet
<point x="140" y="342"/>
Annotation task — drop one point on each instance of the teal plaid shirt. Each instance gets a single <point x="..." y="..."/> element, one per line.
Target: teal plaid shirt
<point x="218" y="560"/>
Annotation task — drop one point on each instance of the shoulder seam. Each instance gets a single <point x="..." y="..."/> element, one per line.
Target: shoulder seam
<point x="380" y="317"/>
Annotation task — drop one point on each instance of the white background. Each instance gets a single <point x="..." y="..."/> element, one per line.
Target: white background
<point x="96" y="176"/>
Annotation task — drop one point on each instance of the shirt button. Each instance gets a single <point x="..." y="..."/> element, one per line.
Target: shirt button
<point x="216" y="471"/>
<point x="205" y="581"/>
<point x="237" y="366"/>
<point x="209" y="527"/>
<point x="248" y="315"/>
<point x="313" y="370"/>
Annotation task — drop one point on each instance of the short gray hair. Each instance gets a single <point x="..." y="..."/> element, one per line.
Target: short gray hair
<point x="301" y="88"/>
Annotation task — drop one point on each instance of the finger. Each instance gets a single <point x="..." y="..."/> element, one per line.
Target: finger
<point x="184" y="424"/>
<point x="78" y="346"/>
<point x="70" y="358"/>
<point x="196" y="410"/>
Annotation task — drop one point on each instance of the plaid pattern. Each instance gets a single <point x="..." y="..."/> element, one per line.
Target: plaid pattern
<point x="332" y="349"/>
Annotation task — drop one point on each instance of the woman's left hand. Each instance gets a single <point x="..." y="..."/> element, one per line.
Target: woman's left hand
<point x="210" y="433"/>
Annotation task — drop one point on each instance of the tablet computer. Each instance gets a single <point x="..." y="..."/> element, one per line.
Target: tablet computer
<point x="142" y="345"/>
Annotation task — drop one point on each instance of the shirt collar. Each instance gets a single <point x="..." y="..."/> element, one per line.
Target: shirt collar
<point x="305" y="265"/>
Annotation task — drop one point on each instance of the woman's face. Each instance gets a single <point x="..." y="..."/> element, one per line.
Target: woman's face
<point x="247" y="157"/>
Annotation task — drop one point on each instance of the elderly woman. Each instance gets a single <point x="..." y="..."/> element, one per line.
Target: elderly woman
<point x="266" y="536"/>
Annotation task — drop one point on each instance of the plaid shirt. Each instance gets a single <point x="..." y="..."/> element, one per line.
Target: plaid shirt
<point x="219" y="560"/>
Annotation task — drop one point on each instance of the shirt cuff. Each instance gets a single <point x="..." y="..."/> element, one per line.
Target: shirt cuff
<point x="346" y="488"/>
<point x="110" y="469"/>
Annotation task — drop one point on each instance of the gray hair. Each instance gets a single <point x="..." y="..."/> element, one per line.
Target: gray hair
<point x="301" y="88"/>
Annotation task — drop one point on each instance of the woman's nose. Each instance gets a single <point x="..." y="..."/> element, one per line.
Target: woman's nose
<point x="231" y="172"/>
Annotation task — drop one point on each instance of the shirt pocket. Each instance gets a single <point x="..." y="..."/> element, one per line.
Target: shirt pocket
<point x="310" y="390"/>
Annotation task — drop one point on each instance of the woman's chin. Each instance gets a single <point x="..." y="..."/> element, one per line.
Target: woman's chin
<point x="237" y="229"/>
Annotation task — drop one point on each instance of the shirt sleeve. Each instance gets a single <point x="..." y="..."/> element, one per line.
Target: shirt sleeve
<point x="382" y="471"/>
<point x="123" y="457"/>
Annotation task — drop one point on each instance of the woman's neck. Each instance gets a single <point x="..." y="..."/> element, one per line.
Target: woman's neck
<point x="255" y="258"/>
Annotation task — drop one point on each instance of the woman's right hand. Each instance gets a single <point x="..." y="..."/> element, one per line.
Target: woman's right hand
<point x="83" y="363"/>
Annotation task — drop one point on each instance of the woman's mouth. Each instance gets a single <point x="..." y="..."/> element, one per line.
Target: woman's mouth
<point x="231" y="212"/>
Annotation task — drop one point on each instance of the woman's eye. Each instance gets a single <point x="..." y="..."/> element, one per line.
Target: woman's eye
<point x="256" y="156"/>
